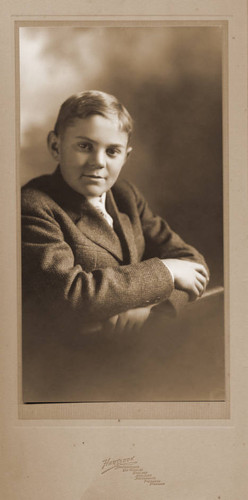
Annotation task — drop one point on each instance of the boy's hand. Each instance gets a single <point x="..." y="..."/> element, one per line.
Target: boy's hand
<point x="188" y="276"/>
<point x="128" y="321"/>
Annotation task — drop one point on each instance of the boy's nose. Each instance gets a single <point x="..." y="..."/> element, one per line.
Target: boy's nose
<point x="98" y="159"/>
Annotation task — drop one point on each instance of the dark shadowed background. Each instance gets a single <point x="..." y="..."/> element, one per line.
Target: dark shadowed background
<point x="170" y="80"/>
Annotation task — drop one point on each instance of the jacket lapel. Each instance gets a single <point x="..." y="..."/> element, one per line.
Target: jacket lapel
<point x="123" y="228"/>
<point x="95" y="227"/>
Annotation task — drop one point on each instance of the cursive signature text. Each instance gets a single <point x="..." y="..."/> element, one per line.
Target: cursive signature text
<point x="130" y="464"/>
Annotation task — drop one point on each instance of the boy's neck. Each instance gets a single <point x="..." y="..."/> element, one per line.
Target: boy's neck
<point x="97" y="199"/>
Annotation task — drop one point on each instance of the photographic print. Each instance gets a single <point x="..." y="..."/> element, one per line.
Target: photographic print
<point x="105" y="395"/>
<point x="124" y="303"/>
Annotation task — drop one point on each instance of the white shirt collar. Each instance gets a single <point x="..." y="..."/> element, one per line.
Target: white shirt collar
<point x="98" y="199"/>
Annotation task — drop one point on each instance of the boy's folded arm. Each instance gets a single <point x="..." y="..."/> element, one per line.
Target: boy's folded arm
<point x="163" y="242"/>
<point x="51" y="276"/>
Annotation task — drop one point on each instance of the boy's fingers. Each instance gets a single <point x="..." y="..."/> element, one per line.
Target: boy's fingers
<point x="196" y="292"/>
<point x="110" y="324"/>
<point x="200" y="287"/>
<point x="201" y="269"/>
<point x="201" y="278"/>
<point x="119" y="324"/>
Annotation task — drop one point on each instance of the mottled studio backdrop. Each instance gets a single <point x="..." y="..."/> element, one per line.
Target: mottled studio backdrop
<point x="170" y="79"/>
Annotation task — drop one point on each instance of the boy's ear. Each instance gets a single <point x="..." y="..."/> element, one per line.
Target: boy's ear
<point x="129" y="150"/>
<point x="53" y="144"/>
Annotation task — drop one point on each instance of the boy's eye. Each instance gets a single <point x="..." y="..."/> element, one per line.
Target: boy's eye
<point x="113" y="152"/>
<point x="85" y="146"/>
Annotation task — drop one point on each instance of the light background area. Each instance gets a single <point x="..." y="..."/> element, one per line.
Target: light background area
<point x="170" y="80"/>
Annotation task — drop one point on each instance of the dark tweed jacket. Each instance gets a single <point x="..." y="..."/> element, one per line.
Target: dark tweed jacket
<point x="77" y="270"/>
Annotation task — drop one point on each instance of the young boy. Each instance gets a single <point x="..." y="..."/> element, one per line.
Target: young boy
<point x="95" y="258"/>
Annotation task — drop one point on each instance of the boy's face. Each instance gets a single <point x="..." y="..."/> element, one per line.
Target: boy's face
<point x="91" y="153"/>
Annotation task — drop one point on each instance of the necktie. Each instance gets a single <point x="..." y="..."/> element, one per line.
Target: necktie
<point x="99" y="205"/>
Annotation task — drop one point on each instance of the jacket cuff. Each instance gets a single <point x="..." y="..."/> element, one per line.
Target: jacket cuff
<point x="178" y="299"/>
<point x="158" y="279"/>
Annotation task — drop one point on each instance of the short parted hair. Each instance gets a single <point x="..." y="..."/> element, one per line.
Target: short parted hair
<point x="93" y="102"/>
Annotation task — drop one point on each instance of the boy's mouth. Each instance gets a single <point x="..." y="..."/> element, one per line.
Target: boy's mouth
<point x="93" y="176"/>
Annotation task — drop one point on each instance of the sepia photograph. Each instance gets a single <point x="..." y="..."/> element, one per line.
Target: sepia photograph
<point x="124" y="250"/>
<point x="121" y="179"/>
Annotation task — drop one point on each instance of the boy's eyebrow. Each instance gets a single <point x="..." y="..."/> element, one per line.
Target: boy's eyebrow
<point x="95" y="142"/>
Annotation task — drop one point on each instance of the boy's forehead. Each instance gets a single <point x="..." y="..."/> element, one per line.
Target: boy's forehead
<point x="97" y="128"/>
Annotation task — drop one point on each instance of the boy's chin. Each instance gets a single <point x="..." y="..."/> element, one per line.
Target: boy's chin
<point x="92" y="193"/>
<point x="87" y="191"/>
<point x="90" y="189"/>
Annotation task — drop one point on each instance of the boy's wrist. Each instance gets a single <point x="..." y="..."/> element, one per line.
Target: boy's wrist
<point x="169" y="269"/>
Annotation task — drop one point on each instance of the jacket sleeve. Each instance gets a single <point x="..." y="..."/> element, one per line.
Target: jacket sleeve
<point x="52" y="280"/>
<point x="162" y="242"/>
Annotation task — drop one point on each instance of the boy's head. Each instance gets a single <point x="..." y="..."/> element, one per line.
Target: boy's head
<point x="91" y="141"/>
<point x="93" y="102"/>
